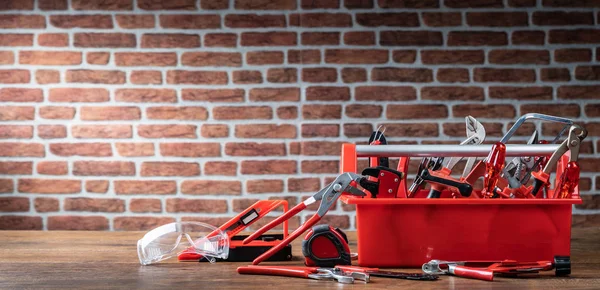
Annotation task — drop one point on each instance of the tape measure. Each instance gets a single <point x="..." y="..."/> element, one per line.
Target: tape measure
<point x="324" y="246"/>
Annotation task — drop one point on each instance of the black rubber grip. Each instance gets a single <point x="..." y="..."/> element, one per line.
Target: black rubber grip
<point x="537" y="184"/>
<point x="434" y="193"/>
<point x="464" y="189"/>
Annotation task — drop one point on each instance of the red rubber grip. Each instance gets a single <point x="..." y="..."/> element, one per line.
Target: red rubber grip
<point x="288" y="272"/>
<point x="290" y="213"/>
<point x="474" y="273"/>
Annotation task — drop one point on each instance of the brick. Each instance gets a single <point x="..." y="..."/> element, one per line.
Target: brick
<point x="392" y="74"/>
<point x="6" y="186"/>
<point x="210" y="187"/>
<point x="82" y="21"/>
<point x="53" y="186"/>
<point x="46" y="204"/>
<point x="567" y="55"/>
<point x="102" y="5"/>
<point x="314" y="166"/>
<point x="214" y="131"/>
<point x="213" y="95"/>
<point x="254" y="20"/>
<point x="264" y="186"/>
<point x="146" y="77"/>
<point x="411" y="130"/>
<point x="226" y="168"/>
<point x="255" y="149"/>
<point x="167" y="5"/>
<point x="72" y="95"/>
<point x="190" y="149"/>
<point x="53" y="4"/>
<point x="320" y="38"/>
<point x="47" y="77"/>
<point x="52" y="131"/>
<point x="578" y="92"/>
<point x="570" y="3"/>
<point x="53" y="39"/>
<point x="242" y="113"/>
<point x="103" y="168"/>
<point x="16" y="39"/>
<point x="252" y="167"/>
<point x="528" y="37"/>
<point x="110" y="113"/>
<point x="145" y="58"/>
<point x="110" y="40"/>
<point x="268" y="38"/>
<point x="484" y="111"/>
<point x="14" y="113"/>
<point x="320" y="148"/>
<point x="477" y="38"/>
<point x="519" y="56"/>
<point x="504" y="75"/>
<point x="581" y="36"/>
<point x="265" y="131"/>
<point x="94" y="204"/>
<point x="328" y="94"/>
<point x="352" y="75"/>
<point x="145" y="187"/>
<point x="564" y="110"/>
<point x="323" y="4"/>
<point x="101" y="131"/>
<point x="385" y="93"/>
<point x="304" y="184"/>
<point x="81" y="149"/>
<point x="452" y="75"/>
<point x="452" y="56"/>
<point x="410" y="38"/>
<point x="146" y="95"/>
<point x="21" y="95"/>
<point x="16" y="76"/>
<point x="587" y="73"/>
<point x="95" y="76"/>
<point x="16" y="5"/>
<point x="264" y="57"/>
<point x="77" y="223"/>
<point x="16" y="167"/>
<point x="402" y="19"/>
<point x="521" y="93"/>
<point x="282" y="75"/>
<point x="220" y="40"/>
<point x="356" y="56"/>
<point x="197" y="77"/>
<point x="16" y="132"/>
<point x="555" y="74"/>
<point x="215" y="59"/>
<point x="319" y="75"/>
<point x="190" y="21"/>
<point x="167" y="131"/>
<point x="275" y="94"/>
<point x="358" y="4"/>
<point x="592" y="110"/>
<point x="6" y="57"/>
<point x="416" y="112"/>
<point x="473" y="3"/>
<point x="14" y="222"/>
<point x="408" y="4"/>
<point x="311" y="112"/>
<point x="139" y="223"/>
<point x="98" y="58"/>
<point x="321" y="20"/>
<point x="144" y="205"/>
<point x="173" y="40"/>
<point x="247" y="77"/>
<point x="195" y="206"/>
<point x="404" y="56"/>
<point x="359" y="38"/>
<point x="22" y="21"/>
<point x="177" y="113"/>
<point x="265" y="4"/>
<point x="521" y="3"/>
<point x="135" y="21"/>
<point x="363" y="111"/>
<point x="287" y="112"/>
<point x="308" y="56"/>
<point x="562" y="18"/>
<point x="170" y="168"/>
<point x="50" y="57"/>
<point x="497" y="19"/>
<point x="320" y="130"/>
<point x="135" y="149"/>
<point x="442" y="19"/>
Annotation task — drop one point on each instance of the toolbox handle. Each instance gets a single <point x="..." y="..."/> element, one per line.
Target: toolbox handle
<point x="452" y="150"/>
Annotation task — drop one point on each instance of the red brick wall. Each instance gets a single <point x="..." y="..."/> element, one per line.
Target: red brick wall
<point x="123" y="114"/>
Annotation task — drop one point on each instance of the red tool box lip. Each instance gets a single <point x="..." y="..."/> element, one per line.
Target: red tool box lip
<point x="460" y="201"/>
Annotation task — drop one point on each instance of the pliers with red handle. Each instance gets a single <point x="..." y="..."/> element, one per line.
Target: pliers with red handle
<point x="341" y="276"/>
<point x="347" y="183"/>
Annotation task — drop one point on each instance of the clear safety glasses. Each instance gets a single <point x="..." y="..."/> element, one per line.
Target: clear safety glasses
<point x="169" y="240"/>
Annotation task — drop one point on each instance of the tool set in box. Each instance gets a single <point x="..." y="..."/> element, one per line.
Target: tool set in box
<point x="470" y="225"/>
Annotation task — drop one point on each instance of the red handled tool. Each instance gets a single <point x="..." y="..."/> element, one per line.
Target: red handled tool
<point x="493" y="167"/>
<point x="306" y="272"/>
<point x="346" y="183"/>
<point x="377" y="138"/>
<point x="382" y="182"/>
<point x="325" y="246"/>
<point x="389" y="274"/>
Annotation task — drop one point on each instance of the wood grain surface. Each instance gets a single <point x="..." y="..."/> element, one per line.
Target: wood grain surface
<point x="108" y="260"/>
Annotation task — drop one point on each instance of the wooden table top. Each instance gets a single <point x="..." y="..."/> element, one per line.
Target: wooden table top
<point x="36" y="259"/>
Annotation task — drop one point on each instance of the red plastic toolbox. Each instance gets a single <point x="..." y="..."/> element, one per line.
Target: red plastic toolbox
<point x="407" y="232"/>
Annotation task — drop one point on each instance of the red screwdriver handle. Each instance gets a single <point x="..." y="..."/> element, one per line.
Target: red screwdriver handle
<point x="474" y="273"/>
<point x="493" y="168"/>
<point x="290" y="213"/>
<point x="568" y="181"/>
